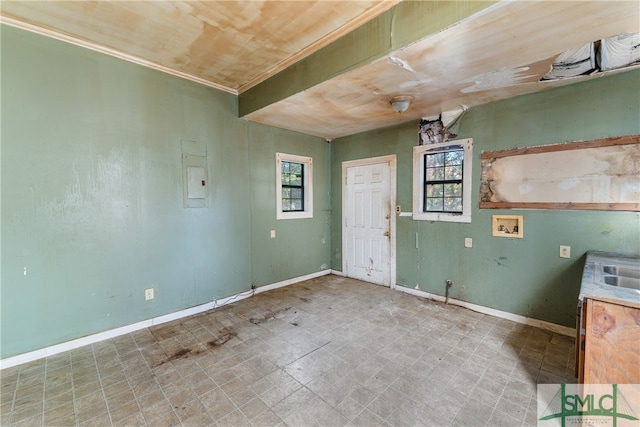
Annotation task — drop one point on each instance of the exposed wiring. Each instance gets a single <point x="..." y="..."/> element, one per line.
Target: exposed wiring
<point x="251" y="292"/>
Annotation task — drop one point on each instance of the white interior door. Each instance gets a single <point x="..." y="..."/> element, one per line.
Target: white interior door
<point x="368" y="223"/>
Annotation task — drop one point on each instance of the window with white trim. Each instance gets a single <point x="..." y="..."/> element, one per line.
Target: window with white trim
<point x="294" y="186"/>
<point x="442" y="181"/>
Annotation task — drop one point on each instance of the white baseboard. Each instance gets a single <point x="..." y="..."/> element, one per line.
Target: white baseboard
<point x="559" y="329"/>
<point x="292" y="281"/>
<point x="112" y="333"/>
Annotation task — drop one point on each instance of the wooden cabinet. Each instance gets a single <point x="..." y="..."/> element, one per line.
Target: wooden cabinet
<point x="609" y="346"/>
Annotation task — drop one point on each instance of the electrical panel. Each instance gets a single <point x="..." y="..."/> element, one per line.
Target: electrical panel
<point x="195" y="174"/>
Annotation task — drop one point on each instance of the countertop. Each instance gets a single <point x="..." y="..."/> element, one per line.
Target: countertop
<point x="592" y="287"/>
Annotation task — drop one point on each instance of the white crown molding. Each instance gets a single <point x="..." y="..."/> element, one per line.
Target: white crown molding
<point x="111" y="52"/>
<point x="319" y="44"/>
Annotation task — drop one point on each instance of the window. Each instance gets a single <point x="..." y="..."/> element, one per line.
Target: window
<point x="442" y="181"/>
<point x="294" y="178"/>
<point x="292" y="191"/>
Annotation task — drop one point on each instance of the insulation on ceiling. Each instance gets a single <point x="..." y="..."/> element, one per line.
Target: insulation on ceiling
<point x="614" y="52"/>
<point x="573" y="62"/>
<point x="619" y="51"/>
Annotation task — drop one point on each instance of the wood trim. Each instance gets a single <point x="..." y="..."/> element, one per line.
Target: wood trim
<point x="610" y="300"/>
<point x="633" y="207"/>
<point x="488" y="158"/>
<point x="575" y="145"/>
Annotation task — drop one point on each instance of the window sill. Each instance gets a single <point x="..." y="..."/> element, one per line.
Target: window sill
<point x="294" y="215"/>
<point x="440" y="216"/>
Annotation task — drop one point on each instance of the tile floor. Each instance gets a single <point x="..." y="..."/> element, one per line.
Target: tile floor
<point x="326" y="352"/>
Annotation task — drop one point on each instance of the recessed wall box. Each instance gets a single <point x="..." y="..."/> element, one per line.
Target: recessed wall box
<point x="507" y="226"/>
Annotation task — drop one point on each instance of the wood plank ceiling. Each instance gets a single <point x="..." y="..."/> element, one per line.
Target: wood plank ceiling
<point x="240" y="46"/>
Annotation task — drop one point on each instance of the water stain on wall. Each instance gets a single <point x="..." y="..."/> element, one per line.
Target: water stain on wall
<point x="607" y="174"/>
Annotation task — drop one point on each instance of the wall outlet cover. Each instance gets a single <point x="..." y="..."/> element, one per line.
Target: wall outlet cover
<point x="565" y="251"/>
<point x="148" y="294"/>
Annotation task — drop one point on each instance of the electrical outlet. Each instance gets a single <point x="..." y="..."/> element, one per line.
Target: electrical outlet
<point x="273" y="234"/>
<point x="148" y="294"/>
<point x="565" y="251"/>
<point x="468" y="242"/>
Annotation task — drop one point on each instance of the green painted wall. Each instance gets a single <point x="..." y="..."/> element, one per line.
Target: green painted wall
<point x="301" y="246"/>
<point x="92" y="195"/>
<point x="92" y="205"/>
<point x="522" y="276"/>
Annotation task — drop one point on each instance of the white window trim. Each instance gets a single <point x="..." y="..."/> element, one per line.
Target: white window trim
<point x="308" y="186"/>
<point x="418" y="182"/>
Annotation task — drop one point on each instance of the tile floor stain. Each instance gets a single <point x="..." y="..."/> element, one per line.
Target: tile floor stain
<point x="404" y="361"/>
<point x="222" y="339"/>
<point x="184" y="353"/>
<point x="269" y="316"/>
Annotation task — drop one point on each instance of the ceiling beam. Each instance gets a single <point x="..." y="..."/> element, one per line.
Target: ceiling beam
<point x="401" y="25"/>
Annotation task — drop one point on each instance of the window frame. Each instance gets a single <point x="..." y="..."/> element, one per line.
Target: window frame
<point x="292" y="186"/>
<point x="419" y="154"/>
<point x="307" y="187"/>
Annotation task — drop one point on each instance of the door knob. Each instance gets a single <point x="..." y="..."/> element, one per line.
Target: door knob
<point x="387" y="234"/>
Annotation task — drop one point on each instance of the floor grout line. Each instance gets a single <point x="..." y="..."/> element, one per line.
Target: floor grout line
<point x="104" y="396"/>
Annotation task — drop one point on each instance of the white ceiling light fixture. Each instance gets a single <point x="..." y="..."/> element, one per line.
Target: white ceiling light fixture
<point x="401" y="103"/>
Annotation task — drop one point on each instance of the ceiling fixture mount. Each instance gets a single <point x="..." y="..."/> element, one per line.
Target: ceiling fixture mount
<point x="401" y="103"/>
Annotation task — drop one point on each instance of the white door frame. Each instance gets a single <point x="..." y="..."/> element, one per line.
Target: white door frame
<point x="391" y="160"/>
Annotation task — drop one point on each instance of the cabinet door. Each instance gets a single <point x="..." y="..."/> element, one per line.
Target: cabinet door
<point x="612" y="347"/>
